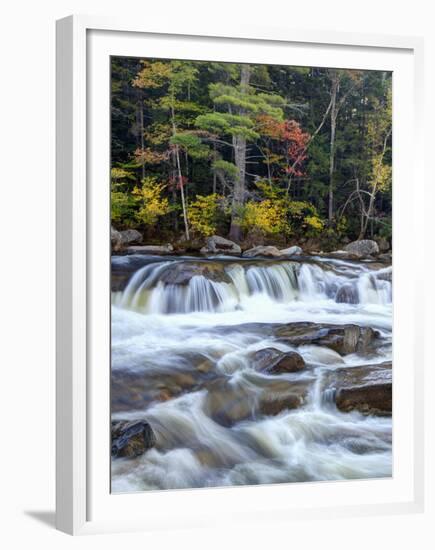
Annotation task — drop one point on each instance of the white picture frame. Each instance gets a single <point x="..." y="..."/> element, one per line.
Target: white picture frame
<point x="84" y="46"/>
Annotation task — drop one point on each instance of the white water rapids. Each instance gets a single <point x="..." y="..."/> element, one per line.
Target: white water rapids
<point x="182" y="361"/>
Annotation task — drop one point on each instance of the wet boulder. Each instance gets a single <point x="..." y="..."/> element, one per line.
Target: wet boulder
<point x="363" y="248"/>
<point x="343" y="339"/>
<point x="273" y="361"/>
<point x="181" y="273"/>
<point x="264" y="251"/>
<point x="219" y="245"/>
<point x="367" y="389"/>
<point x="151" y="249"/>
<point x="131" y="439"/>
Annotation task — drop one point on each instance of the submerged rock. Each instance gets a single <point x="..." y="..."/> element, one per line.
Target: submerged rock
<point x="341" y="255"/>
<point x="228" y="403"/>
<point x="273" y="405"/>
<point x="385" y="274"/>
<point x="181" y="273"/>
<point x="367" y="388"/>
<point x="347" y="294"/>
<point x="266" y="251"/>
<point x="150" y="249"/>
<point x="131" y="439"/>
<point x="363" y="248"/>
<point x="343" y="339"/>
<point x="219" y="245"/>
<point x="273" y="361"/>
<point x="386" y="258"/>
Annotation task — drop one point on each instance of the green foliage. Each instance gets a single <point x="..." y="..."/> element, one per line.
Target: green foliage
<point x="227" y="168"/>
<point x="123" y="208"/>
<point x="191" y="144"/>
<point x="227" y="124"/>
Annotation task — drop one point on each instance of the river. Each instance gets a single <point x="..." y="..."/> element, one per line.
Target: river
<point x="185" y="336"/>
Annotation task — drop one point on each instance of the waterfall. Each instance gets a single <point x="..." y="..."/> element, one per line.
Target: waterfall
<point x="190" y="338"/>
<point x="283" y="282"/>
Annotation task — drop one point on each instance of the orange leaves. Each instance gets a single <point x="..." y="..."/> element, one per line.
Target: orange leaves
<point x="148" y="156"/>
<point x="291" y="138"/>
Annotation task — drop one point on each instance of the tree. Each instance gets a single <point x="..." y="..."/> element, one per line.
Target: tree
<point x="242" y="104"/>
<point x="336" y="78"/>
<point x="178" y="77"/>
<point x="378" y="136"/>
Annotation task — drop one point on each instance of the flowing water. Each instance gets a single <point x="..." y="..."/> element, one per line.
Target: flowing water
<point x="182" y="359"/>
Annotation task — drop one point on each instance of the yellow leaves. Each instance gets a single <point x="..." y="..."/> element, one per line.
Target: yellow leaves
<point x="148" y="156"/>
<point x="203" y="213"/>
<point x="275" y="216"/>
<point x="269" y="216"/>
<point x="314" y="223"/>
<point x="152" y="204"/>
<point x="118" y="174"/>
<point x="153" y="75"/>
<point x="381" y="174"/>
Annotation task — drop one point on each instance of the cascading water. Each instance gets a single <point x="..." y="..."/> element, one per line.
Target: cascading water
<point x="283" y="282"/>
<point x="184" y="335"/>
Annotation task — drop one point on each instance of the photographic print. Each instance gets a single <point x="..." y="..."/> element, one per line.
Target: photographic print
<point x="251" y="278"/>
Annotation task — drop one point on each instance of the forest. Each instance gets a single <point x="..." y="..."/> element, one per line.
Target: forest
<point x="261" y="154"/>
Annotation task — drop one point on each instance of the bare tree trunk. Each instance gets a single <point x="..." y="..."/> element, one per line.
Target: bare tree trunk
<point x="183" y="200"/>
<point x="368" y="215"/>
<point x="334" y="112"/>
<point x="239" y="146"/>
<point x="142" y="145"/>
<point x="180" y="178"/>
<point x="214" y="171"/>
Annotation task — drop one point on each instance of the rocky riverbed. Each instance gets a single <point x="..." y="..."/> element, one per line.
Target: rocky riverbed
<point x="249" y="368"/>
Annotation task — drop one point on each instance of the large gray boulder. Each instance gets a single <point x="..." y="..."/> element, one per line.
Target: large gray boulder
<point x="363" y="248"/>
<point x="265" y="251"/>
<point x="384" y="245"/>
<point x="115" y="239"/>
<point x="131" y="236"/>
<point x="150" y="249"/>
<point x="219" y="245"/>
<point x="292" y="251"/>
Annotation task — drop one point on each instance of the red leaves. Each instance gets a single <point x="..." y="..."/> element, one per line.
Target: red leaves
<point x="177" y="183"/>
<point x="292" y="139"/>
